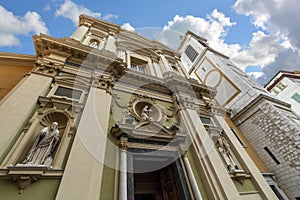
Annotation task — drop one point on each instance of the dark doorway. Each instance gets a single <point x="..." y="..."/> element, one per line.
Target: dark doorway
<point x="157" y="185"/>
<point x="148" y="186"/>
<point x="150" y="196"/>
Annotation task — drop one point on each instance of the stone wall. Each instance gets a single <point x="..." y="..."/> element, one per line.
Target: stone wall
<point x="267" y="126"/>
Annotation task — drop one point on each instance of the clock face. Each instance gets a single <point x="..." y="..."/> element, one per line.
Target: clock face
<point x="211" y="76"/>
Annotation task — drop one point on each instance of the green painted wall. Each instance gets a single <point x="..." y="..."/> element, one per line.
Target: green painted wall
<point x="245" y="186"/>
<point x="108" y="177"/>
<point x="196" y="174"/>
<point x="43" y="189"/>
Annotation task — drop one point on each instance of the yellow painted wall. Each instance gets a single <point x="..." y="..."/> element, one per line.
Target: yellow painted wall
<point x="13" y="67"/>
<point x="253" y="155"/>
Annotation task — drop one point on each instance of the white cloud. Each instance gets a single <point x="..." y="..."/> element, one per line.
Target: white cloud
<point x="279" y="19"/>
<point x="12" y="26"/>
<point x="267" y="49"/>
<point x="109" y="17"/>
<point x="47" y="8"/>
<point x="255" y="75"/>
<point x="213" y="28"/>
<point x="261" y="51"/>
<point x="128" y="27"/>
<point x="71" y="10"/>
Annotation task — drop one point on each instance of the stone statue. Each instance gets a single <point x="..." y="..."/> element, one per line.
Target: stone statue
<point x="94" y="44"/>
<point x="41" y="152"/>
<point x="224" y="149"/>
<point x="146" y="113"/>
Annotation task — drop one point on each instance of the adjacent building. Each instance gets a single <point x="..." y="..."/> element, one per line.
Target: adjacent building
<point x="286" y="87"/>
<point x="268" y="123"/>
<point x="108" y="114"/>
<point x="13" y="68"/>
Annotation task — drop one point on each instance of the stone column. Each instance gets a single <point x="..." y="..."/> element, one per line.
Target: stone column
<point x="186" y="192"/>
<point x="123" y="170"/>
<point x="80" y="32"/>
<point x="191" y="176"/>
<point x="130" y="177"/>
<point x="128" y="59"/>
<point x="165" y="64"/>
<point x="111" y="43"/>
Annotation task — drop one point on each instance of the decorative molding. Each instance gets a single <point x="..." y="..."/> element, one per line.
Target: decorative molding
<point x="63" y="104"/>
<point x="23" y="176"/>
<point x="45" y="67"/>
<point x="123" y="143"/>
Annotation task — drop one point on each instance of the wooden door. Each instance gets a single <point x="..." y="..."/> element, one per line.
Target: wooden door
<point x="169" y="184"/>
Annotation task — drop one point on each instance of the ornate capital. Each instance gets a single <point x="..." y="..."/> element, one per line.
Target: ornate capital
<point x="105" y="82"/>
<point x="183" y="150"/>
<point x="46" y="68"/>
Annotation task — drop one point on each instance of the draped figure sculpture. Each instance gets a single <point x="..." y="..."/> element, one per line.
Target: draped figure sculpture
<point x="41" y="152"/>
<point x="224" y="149"/>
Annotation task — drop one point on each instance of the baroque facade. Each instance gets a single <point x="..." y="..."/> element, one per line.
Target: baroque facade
<point x="109" y="114"/>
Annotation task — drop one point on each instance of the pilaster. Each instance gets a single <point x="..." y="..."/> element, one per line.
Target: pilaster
<point x="83" y="172"/>
<point x="263" y="187"/>
<point x="219" y="182"/>
<point x="80" y="32"/>
<point x="18" y="107"/>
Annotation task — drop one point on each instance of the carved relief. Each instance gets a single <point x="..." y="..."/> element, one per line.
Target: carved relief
<point x="145" y="119"/>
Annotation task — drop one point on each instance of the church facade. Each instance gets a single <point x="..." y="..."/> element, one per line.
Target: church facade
<point x="108" y="114"/>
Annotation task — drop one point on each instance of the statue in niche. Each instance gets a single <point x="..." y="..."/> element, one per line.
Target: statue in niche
<point x="224" y="149"/>
<point x="94" y="44"/>
<point x="41" y="152"/>
<point x="127" y="117"/>
<point x="146" y="113"/>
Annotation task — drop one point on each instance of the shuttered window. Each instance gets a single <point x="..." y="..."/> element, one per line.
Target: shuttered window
<point x="191" y="53"/>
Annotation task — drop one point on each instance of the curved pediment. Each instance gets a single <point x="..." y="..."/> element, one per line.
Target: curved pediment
<point x="147" y="130"/>
<point x="152" y="128"/>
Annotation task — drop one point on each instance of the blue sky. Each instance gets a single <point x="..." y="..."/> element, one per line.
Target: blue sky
<point x="261" y="37"/>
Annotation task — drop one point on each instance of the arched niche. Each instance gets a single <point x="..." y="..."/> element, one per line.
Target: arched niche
<point x="45" y="120"/>
<point x="94" y="43"/>
<point x="43" y="117"/>
<point x="156" y="111"/>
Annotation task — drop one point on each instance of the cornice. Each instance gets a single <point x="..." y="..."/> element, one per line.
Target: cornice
<point x="256" y="101"/>
<point x="98" y="23"/>
<point x="183" y="85"/>
<point x="134" y="41"/>
<point x="45" y="44"/>
<point x="81" y="56"/>
<point x="16" y="59"/>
